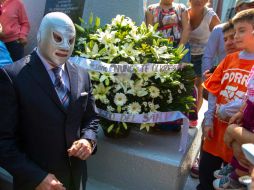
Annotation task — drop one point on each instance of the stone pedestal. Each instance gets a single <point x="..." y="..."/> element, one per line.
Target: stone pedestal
<point x="143" y="161"/>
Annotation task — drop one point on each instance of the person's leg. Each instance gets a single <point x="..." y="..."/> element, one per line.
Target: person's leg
<point x="207" y="165"/>
<point x="193" y="116"/>
<point x="15" y="49"/>
<point x="198" y="83"/>
<point x="239" y="170"/>
<point x="195" y="167"/>
<point x="196" y="60"/>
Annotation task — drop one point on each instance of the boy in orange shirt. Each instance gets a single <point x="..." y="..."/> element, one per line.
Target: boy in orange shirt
<point x="227" y="83"/>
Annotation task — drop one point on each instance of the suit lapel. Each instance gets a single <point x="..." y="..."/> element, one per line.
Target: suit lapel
<point x="73" y="76"/>
<point x="41" y="76"/>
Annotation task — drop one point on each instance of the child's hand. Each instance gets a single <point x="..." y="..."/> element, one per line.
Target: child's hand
<point x="223" y="119"/>
<point x="207" y="74"/>
<point x="207" y="131"/>
<point x="236" y="119"/>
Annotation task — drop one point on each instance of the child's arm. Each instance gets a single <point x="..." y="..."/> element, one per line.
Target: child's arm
<point x="209" y="114"/>
<point x="238" y="117"/>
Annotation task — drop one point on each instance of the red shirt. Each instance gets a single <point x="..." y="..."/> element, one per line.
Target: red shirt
<point x="14" y="21"/>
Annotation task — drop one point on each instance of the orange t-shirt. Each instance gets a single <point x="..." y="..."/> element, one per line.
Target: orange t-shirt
<point x="229" y="81"/>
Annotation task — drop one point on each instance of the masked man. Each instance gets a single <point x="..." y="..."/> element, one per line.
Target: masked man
<point x="48" y="123"/>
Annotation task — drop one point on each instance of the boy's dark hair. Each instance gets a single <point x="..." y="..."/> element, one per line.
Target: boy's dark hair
<point x="228" y="26"/>
<point x="244" y="16"/>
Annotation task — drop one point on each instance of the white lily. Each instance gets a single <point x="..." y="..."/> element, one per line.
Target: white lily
<point x="112" y="52"/>
<point x="137" y="89"/>
<point x="107" y="37"/>
<point x="153" y="107"/>
<point x="127" y="51"/>
<point x="94" y="75"/>
<point x="123" y="81"/>
<point x="107" y="77"/>
<point x="100" y="92"/>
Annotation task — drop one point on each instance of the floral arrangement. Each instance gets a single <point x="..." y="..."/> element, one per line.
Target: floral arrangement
<point x="122" y="42"/>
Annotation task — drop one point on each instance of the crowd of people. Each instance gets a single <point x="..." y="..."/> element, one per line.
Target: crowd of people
<point x="44" y="92"/>
<point x="227" y="81"/>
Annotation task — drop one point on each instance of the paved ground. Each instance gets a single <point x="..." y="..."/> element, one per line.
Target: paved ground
<point x="191" y="184"/>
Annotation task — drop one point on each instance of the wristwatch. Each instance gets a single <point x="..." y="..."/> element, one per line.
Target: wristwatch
<point x="92" y="143"/>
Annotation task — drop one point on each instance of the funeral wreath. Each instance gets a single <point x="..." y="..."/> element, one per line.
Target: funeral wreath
<point x="147" y="75"/>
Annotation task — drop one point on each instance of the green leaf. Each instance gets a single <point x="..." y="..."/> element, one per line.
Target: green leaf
<point x="97" y="22"/>
<point x="142" y="127"/>
<point x="154" y="52"/>
<point x="154" y="42"/>
<point x="119" y="109"/>
<point x="102" y="51"/>
<point x="185" y="51"/>
<point x="79" y="28"/>
<point x="117" y="130"/>
<point x="155" y="27"/>
<point x="81" y="20"/>
<point x="110" y="128"/>
<point x="125" y="126"/>
<point x="103" y="78"/>
<point x="107" y="82"/>
<point x="90" y="19"/>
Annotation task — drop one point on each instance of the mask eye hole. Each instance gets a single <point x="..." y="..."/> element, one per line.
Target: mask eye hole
<point x="57" y="38"/>
<point x="71" y="41"/>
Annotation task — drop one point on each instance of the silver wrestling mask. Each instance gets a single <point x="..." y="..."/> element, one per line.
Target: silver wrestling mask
<point x="56" y="38"/>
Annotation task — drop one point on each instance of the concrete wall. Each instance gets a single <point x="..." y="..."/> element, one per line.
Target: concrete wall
<point x="105" y="9"/>
<point x="108" y="9"/>
<point x="35" y="11"/>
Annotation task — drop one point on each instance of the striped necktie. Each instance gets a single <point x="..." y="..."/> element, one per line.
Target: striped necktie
<point x="60" y="87"/>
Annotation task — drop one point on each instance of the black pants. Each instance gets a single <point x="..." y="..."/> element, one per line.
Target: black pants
<point x="15" y="49"/>
<point x="207" y="165"/>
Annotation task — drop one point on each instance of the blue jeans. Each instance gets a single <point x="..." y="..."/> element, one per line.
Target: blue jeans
<point x="196" y="60"/>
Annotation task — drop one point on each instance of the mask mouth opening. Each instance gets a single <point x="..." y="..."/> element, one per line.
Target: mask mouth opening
<point x="62" y="53"/>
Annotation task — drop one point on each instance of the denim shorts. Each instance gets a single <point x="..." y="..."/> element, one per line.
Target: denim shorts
<point x="196" y="60"/>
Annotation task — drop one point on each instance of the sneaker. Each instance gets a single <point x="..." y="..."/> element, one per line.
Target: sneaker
<point x="193" y="123"/>
<point x="245" y="180"/>
<point x="195" y="169"/>
<point x="227" y="183"/>
<point x="223" y="171"/>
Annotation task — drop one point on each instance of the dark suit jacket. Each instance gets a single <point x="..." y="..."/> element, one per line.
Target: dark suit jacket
<point x="36" y="130"/>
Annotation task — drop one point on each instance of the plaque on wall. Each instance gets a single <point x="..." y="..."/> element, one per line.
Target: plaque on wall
<point x="73" y="8"/>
